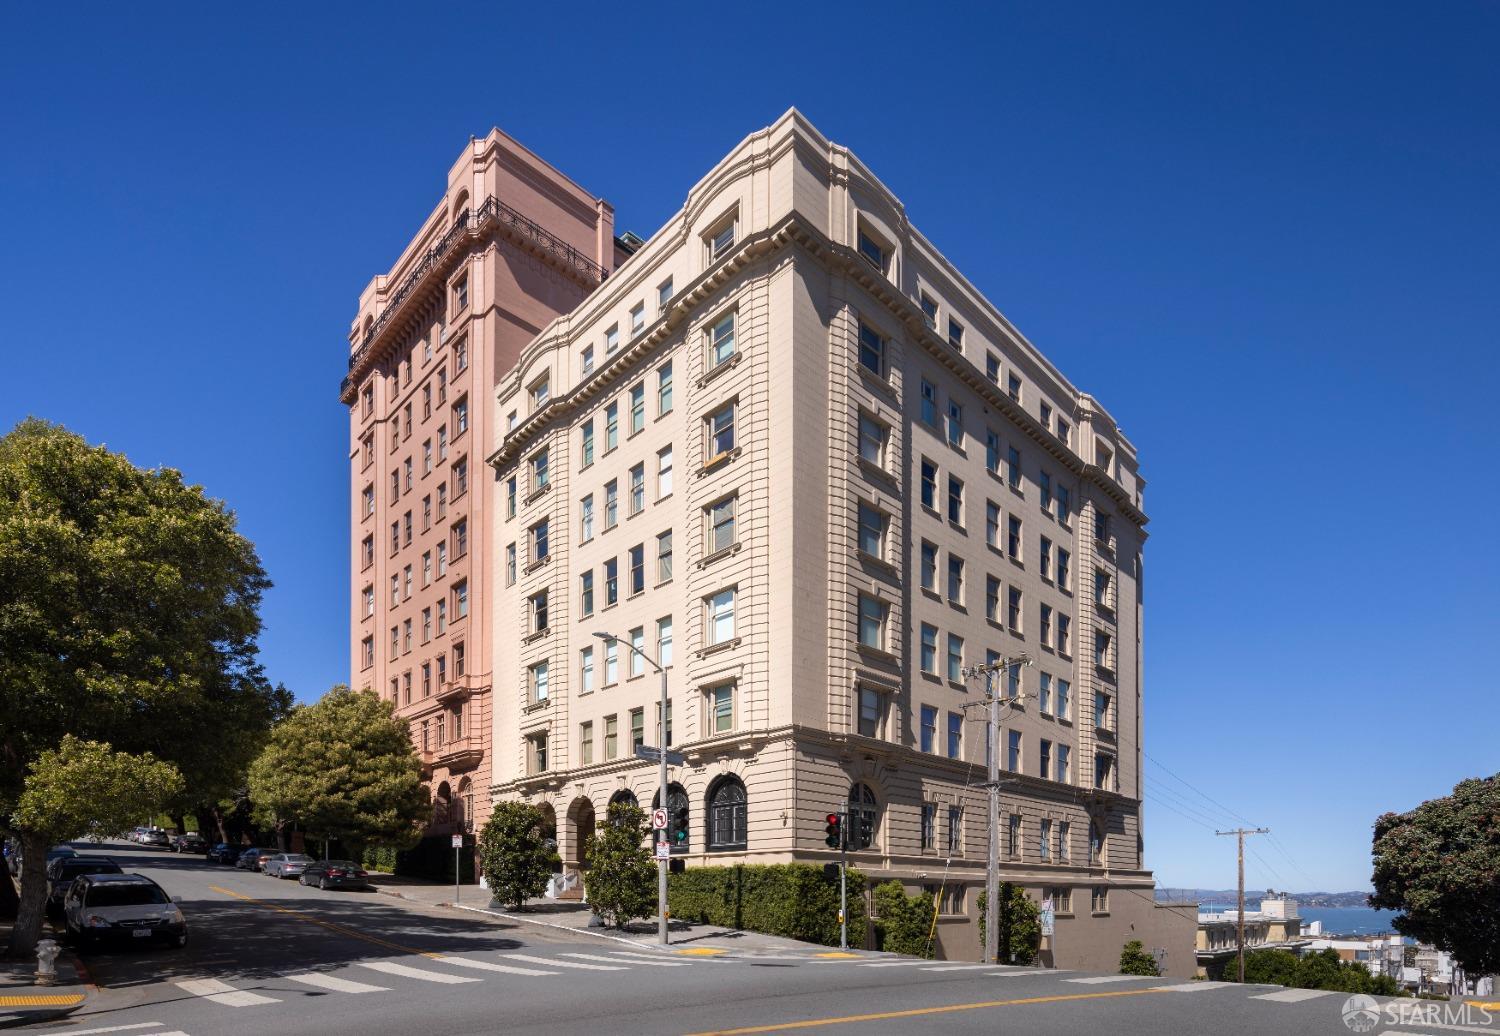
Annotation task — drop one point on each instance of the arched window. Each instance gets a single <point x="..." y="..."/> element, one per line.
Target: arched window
<point x="678" y="816"/>
<point x="864" y="815"/>
<point x="624" y="796"/>
<point x="726" y="815"/>
<point x="466" y="803"/>
<point x="461" y="207"/>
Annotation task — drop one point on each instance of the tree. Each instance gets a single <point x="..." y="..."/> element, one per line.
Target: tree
<point x="1020" y="924"/>
<point x="1320" y="970"/>
<point x="343" y="768"/>
<point x="621" y="880"/>
<point x="904" y="922"/>
<point x="81" y="787"/>
<point x="514" y="855"/>
<point x="1439" y="864"/>
<point x="129" y="611"/>
<point x="1134" y="960"/>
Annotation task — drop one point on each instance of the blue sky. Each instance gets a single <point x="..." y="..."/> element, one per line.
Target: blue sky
<point x="1263" y="234"/>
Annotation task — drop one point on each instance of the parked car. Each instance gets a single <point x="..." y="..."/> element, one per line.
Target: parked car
<point x="335" y="874"/>
<point x="136" y="832"/>
<point x="223" y="852"/>
<point x="62" y="871"/>
<point x="254" y="858"/>
<point x="156" y="839"/>
<point x="125" y="907"/>
<point x="286" y="865"/>
<point x="192" y="842"/>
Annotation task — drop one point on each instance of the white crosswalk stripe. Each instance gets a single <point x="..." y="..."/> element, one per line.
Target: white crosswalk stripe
<point x="1020" y="972"/>
<point x="484" y="965"/>
<point x="894" y="964"/>
<point x="1193" y="987"/>
<point x="633" y="960"/>
<point x="223" y="993"/>
<point x="121" y="1028"/>
<point x="960" y="967"/>
<point x="391" y="968"/>
<point x="632" y="955"/>
<point x="318" y="980"/>
<point x="1293" y="996"/>
<point x="1096" y="980"/>
<point x="554" y="962"/>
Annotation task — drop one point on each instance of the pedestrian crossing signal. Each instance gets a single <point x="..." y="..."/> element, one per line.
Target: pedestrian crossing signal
<point x="834" y="831"/>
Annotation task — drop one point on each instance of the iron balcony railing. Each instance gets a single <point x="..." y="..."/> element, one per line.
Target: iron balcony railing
<point x="474" y="220"/>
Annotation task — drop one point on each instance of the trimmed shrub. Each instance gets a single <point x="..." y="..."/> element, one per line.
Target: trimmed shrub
<point x="1134" y="960"/>
<point x="902" y="922"/>
<point x="621" y="880"/>
<point x="1020" y="924"/>
<point x="795" y="900"/>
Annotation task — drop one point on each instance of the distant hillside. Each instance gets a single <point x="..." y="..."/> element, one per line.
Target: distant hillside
<point x="1252" y="899"/>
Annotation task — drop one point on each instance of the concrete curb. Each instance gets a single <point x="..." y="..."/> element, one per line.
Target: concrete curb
<point x="10" y="1017"/>
<point x="553" y="924"/>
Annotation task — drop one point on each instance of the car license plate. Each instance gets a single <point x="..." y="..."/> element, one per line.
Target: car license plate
<point x="142" y="933"/>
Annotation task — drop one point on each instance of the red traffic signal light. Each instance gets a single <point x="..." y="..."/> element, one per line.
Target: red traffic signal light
<point x="834" y="831"/>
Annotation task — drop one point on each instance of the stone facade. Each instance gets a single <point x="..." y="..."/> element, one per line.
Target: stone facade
<point x="864" y="479"/>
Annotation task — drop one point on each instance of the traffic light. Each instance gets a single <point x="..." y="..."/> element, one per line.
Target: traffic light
<point x="679" y="828"/>
<point x="834" y="831"/>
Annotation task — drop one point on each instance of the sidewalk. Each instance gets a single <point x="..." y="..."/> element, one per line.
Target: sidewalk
<point x="693" y="939"/>
<point x="22" y="1002"/>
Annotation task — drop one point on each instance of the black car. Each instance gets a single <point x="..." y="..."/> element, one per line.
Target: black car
<point x="223" y="852"/>
<point x="121" y="908"/>
<point x="62" y="871"/>
<point x="335" y="874"/>
<point x="192" y="842"/>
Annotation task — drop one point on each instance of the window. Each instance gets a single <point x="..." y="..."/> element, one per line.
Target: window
<point x="1099" y="902"/>
<point x="864" y="816"/>
<point x="721" y="524"/>
<point x="721" y="709"/>
<point x="1013" y="465"/>
<point x="1101" y="588"/>
<point x="1064" y="561"/>
<point x="955" y="830"/>
<point x="929" y="649"/>
<point x="1013" y="388"/>
<point x="637" y="664"/>
<point x="1064" y="432"/>
<point x="461" y="600"/>
<point x="992" y="367"/>
<point x="611" y="662"/>
<point x="536" y="753"/>
<point x="1046" y="624"/>
<point x="929" y="484"/>
<point x="461" y="293"/>
<point x="871" y="349"/>
<point x="426" y="458"/>
<point x="663" y="295"/>
<point x="585" y="743"/>
<point x="992" y="598"/>
<point x="1101" y="528"/>
<point x="406" y="635"/>
<point x="929" y="311"/>
<point x="611" y="581"/>
<point x="992" y="524"/>
<point x="1013" y="751"/>
<point x="426" y="679"/>
<point x="1101" y="650"/>
<point x="871" y="709"/>
<point x="461" y="537"/>
<point x="611" y="504"/>
<point x="720" y="624"/>
<point x="367" y="501"/>
<point x="929" y="728"/>
<point x="664" y="389"/>
<point x="611" y="340"/>
<point x="1044" y="489"/>
<point x="611" y="736"/>
<point x="955" y="657"/>
<point x="442" y="442"/>
<point x="586" y="670"/>
<point x="1013" y="609"/>
<point x="721" y="239"/>
<point x="541" y="547"/>
<point x="664" y="556"/>
<point x="955" y="334"/>
<point x="720" y="431"/>
<point x="1063" y="704"/>
<point x="1044" y="759"/>
<point x="872" y="616"/>
<point x="442" y="558"/>
<point x="368" y="399"/>
<point x="395" y="589"/>
<point x="1044" y="694"/>
<point x="611" y="426"/>
<point x="637" y="407"/>
<point x="637" y="489"/>
<point x="1013" y="538"/>
<point x="872" y="438"/>
<point x="367" y="552"/>
<point x="1064" y="506"/>
<point x="586" y="452"/>
<point x="367" y="653"/>
<point x="1104" y="771"/>
<point x="871" y="531"/>
<point x="929" y="403"/>
<point x="367" y="601"/>
<point x="538" y="608"/>
<point x="586" y="361"/>
<point x="1102" y="717"/>
<point x="929" y="825"/>
<point x="1047" y="416"/>
<point x="1063" y="771"/>
<point x="726" y="814"/>
<point x="992" y="451"/>
<point x="1013" y="682"/>
<point x="929" y="566"/>
<point x="442" y="665"/>
<point x="1044" y="562"/>
<point x="1063" y="623"/>
<point x="406" y="581"/>
<point x="955" y="424"/>
<point x="460" y="477"/>
<point x="871" y="251"/>
<point x="395" y="486"/>
<point x="955" y="735"/>
<point x="1064" y="903"/>
<point x="538" y="682"/>
<point x="1044" y="840"/>
<point x="721" y="341"/>
<point x="540" y="471"/>
<point x="1013" y="836"/>
<point x="586" y="518"/>
<point x="664" y="644"/>
<point x="637" y="319"/>
<point x="637" y="556"/>
<point x="442" y="615"/>
<point x="406" y="528"/>
<point x="586" y="594"/>
<point x="955" y="580"/>
<point x="406" y="411"/>
<point x="955" y="500"/>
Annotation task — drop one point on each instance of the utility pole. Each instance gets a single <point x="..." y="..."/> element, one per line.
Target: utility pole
<point x="992" y="704"/>
<point x="1240" y="833"/>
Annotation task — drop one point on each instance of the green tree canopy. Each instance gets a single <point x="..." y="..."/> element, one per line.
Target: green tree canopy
<point x="621" y="879"/>
<point x="1439" y="864"/>
<point x="1020" y="924"/>
<point x="513" y="853"/>
<point x="128" y="615"/>
<point x="84" y="786"/>
<point x="343" y="768"/>
<point x="904" y="922"/>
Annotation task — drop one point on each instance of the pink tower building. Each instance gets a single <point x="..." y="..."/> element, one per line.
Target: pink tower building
<point x="512" y="244"/>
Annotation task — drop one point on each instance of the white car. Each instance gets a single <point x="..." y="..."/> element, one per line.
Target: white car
<point x="286" y="865"/>
<point x="121" y="908"/>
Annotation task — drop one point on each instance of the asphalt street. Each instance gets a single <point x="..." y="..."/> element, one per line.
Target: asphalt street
<point x="269" y="956"/>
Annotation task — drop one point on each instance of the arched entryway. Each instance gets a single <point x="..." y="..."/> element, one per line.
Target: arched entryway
<point x="577" y="831"/>
<point x="549" y="823"/>
<point x="442" y="805"/>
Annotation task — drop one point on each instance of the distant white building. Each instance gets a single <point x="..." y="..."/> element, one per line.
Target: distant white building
<point x="1275" y="926"/>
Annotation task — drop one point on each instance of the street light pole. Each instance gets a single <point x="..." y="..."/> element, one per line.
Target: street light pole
<point x="657" y="838"/>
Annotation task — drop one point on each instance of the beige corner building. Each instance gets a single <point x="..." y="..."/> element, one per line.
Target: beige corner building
<point x="789" y="450"/>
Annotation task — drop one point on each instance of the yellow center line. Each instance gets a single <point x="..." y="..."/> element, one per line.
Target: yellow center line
<point x="330" y="925"/>
<point x="916" y="1012"/>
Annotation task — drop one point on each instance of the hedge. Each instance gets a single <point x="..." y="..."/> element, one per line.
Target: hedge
<point x="795" y="900"/>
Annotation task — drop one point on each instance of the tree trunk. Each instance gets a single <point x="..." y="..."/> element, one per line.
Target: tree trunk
<point x="33" y="906"/>
<point x="180" y="822"/>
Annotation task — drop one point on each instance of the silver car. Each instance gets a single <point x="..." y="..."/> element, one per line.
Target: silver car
<point x="286" y="865"/>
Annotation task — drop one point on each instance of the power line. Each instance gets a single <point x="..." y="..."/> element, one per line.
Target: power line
<point x="1193" y="787"/>
<point x="1164" y="804"/>
<point x="1166" y="795"/>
